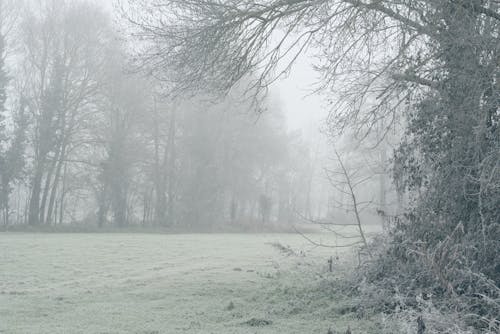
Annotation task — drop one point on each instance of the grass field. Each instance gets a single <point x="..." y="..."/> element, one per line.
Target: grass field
<point x="145" y="283"/>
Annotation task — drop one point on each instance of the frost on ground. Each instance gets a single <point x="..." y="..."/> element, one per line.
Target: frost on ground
<point x="136" y="283"/>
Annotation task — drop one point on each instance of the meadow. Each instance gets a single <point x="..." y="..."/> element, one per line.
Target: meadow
<point x="149" y="283"/>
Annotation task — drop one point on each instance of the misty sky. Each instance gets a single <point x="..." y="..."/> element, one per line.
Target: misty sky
<point x="303" y="111"/>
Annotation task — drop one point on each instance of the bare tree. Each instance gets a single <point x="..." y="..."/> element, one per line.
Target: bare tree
<point x="346" y="181"/>
<point x="216" y="44"/>
<point x="62" y="55"/>
<point x="351" y="185"/>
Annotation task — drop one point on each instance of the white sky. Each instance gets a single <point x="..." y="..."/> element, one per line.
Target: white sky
<point x="303" y="111"/>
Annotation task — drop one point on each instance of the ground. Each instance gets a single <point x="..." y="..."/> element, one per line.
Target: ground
<point x="145" y="284"/>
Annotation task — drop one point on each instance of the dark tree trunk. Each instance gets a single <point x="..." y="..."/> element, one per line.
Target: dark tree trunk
<point x="34" y="205"/>
<point x="57" y="178"/>
<point x="63" y="195"/>
<point x="47" y="187"/>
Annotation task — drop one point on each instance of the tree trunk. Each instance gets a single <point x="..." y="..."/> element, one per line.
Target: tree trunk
<point x="6" y="209"/>
<point x="55" y="184"/>
<point x="46" y="189"/>
<point x="4" y="199"/>
<point x="63" y="195"/>
<point x="171" y="166"/>
<point x="101" y="214"/>
<point x="382" y="184"/>
<point x="34" y="203"/>
<point x="160" y="199"/>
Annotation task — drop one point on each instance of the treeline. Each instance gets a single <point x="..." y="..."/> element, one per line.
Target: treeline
<point x="86" y="138"/>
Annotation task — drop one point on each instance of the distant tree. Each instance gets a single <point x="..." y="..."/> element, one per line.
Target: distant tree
<point x="86" y="139"/>
<point x="265" y="207"/>
<point x="4" y="81"/>
<point x="13" y="164"/>
<point x="11" y="142"/>
<point x="62" y="46"/>
<point x="124" y="101"/>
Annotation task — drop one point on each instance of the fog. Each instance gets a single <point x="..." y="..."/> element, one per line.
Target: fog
<point x="249" y="166"/>
<point x="98" y="142"/>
